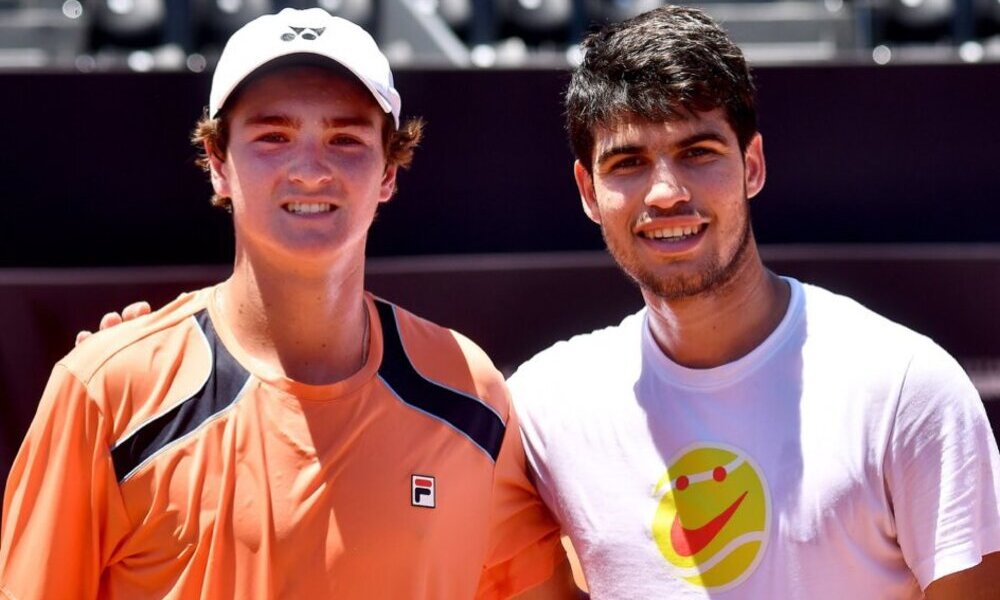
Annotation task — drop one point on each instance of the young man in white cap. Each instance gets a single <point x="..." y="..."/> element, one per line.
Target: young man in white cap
<point x="282" y="434"/>
<point x="744" y="436"/>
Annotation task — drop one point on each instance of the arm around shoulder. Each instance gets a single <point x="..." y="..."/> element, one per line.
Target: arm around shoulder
<point x="113" y="319"/>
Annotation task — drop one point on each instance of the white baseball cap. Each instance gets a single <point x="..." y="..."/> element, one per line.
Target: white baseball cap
<point x="312" y="31"/>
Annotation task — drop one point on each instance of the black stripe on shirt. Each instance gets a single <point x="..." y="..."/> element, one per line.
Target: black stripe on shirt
<point x="222" y="388"/>
<point x="466" y="414"/>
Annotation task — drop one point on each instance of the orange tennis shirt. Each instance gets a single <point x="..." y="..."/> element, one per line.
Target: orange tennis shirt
<point x="164" y="463"/>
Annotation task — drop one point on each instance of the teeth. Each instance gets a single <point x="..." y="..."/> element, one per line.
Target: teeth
<point x="672" y="233"/>
<point x="308" y="208"/>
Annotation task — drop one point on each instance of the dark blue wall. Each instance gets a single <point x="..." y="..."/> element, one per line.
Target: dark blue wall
<point x="97" y="169"/>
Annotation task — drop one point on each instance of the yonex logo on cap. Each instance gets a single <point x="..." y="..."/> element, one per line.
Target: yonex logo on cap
<point x="422" y="491"/>
<point x="306" y="33"/>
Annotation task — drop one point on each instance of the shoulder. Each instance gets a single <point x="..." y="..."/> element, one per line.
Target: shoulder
<point x="442" y="355"/>
<point x="562" y="381"/>
<point x="107" y="349"/>
<point x="582" y="354"/>
<point x="837" y="319"/>
<point x="861" y="336"/>
<point x="134" y="369"/>
<point x="827" y="309"/>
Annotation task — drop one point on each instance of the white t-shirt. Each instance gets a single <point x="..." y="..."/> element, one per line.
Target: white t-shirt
<point x="844" y="457"/>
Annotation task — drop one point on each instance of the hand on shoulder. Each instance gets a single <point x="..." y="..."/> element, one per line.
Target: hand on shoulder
<point x="112" y="319"/>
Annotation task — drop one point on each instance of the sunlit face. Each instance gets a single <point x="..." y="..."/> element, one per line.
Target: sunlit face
<point x="305" y="166"/>
<point x="672" y="200"/>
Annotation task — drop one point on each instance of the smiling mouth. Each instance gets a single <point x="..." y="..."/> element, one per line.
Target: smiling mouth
<point x="673" y="234"/>
<point x="308" y="208"/>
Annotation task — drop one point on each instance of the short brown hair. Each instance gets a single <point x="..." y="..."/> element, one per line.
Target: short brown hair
<point x="656" y="67"/>
<point x="212" y="135"/>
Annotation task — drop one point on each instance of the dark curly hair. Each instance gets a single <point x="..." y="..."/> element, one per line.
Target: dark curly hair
<point x="658" y="66"/>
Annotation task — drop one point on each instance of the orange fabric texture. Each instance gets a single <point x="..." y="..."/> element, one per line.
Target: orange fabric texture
<point x="287" y="491"/>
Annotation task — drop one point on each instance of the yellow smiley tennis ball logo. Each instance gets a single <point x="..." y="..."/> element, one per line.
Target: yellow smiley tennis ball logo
<point x="713" y="517"/>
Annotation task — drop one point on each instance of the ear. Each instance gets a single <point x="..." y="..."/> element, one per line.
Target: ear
<point x="585" y="183"/>
<point x="388" y="185"/>
<point x="220" y="181"/>
<point x="754" y="168"/>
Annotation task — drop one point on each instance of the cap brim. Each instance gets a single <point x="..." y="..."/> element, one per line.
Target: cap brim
<point x="296" y="57"/>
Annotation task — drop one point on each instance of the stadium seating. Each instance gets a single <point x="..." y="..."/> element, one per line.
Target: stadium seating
<point x="536" y="20"/>
<point x="67" y="33"/>
<point x="988" y="12"/>
<point x="924" y="20"/>
<point x="609" y="11"/>
<point x="216" y="20"/>
<point x="129" y="23"/>
<point x="37" y="33"/>
<point x="358" y="11"/>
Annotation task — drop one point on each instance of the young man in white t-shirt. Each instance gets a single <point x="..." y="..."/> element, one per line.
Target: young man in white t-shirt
<point x="744" y="435"/>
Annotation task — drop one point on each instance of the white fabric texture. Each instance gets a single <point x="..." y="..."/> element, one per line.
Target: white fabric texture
<point x="866" y="462"/>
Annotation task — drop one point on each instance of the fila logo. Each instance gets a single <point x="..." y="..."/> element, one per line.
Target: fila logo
<point x="422" y="491"/>
<point x="306" y="33"/>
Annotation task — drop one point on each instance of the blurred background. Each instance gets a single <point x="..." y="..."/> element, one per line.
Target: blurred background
<point x="880" y="121"/>
<point x="187" y="35"/>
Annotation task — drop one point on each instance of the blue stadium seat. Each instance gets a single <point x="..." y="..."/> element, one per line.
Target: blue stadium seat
<point x="918" y="20"/>
<point x="218" y="19"/>
<point x="361" y="12"/>
<point x="612" y="11"/>
<point x="533" y="16"/>
<point x="989" y="13"/>
<point x="41" y="33"/>
<point x="455" y="13"/>
<point x="128" y="23"/>
<point x="922" y="13"/>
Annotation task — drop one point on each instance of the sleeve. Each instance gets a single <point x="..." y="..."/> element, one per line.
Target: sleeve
<point x="524" y="545"/>
<point x="61" y="505"/>
<point x="532" y="397"/>
<point x="942" y="470"/>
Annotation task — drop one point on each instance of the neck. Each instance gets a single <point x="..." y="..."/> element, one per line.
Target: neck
<point x="724" y="324"/>
<point x="310" y="325"/>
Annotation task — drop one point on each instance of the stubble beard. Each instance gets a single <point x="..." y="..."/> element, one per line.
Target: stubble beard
<point x="709" y="280"/>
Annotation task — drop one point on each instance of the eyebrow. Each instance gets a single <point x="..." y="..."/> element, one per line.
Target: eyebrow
<point x="273" y="120"/>
<point x="705" y="136"/>
<point x="691" y="140"/>
<point x="279" y="120"/>
<point x="339" y="122"/>
<point x="616" y="150"/>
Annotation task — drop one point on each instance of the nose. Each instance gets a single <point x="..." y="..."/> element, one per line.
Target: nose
<point x="666" y="188"/>
<point x="310" y="167"/>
